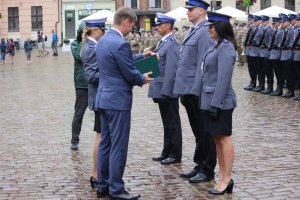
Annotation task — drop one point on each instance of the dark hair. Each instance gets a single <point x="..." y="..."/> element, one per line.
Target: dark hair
<point x="79" y="36"/>
<point x="225" y="31"/>
<point x="124" y="13"/>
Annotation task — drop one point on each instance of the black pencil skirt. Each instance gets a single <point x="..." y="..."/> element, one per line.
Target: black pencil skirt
<point x="97" y="125"/>
<point x="221" y="126"/>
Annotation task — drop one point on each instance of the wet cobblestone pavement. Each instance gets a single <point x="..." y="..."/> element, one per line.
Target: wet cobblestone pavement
<point x="36" y="110"/>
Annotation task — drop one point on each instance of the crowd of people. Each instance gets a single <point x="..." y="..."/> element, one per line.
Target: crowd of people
<point x="273" y="48"/>
<point x="195" y="71"/>
<point x="9" y="46"/>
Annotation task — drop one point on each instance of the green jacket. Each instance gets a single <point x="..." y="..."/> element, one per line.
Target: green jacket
<point x="79" y="79"/>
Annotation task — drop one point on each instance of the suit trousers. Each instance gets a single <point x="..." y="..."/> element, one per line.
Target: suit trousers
<point x="268" y="71"/>
<point x="205" y="152"/>
<point x="113" y="148"/>
<point x="289" y="74"/>
<point x="169" y="112"/>
<point x="259" y="69"/>
<point x="276" y="65"/>
<point x="296" y="65"/>
<point x="81" y="104"/>
<point x="251" y="69"/>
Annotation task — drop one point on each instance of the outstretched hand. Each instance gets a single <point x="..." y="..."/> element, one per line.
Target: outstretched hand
<point x="147" y="78"/>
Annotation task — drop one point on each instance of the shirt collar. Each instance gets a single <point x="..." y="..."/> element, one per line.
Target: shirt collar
<point x="198" y="23"/>
<point x="118" y="32"/>
<point x="92" y="39"/>
<point x="166" y="36"/>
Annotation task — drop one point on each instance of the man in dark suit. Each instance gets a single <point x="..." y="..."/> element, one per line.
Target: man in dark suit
<point x="161" y="90"/>
<point x="117" y="76"/>
<point x="188" y="85"/>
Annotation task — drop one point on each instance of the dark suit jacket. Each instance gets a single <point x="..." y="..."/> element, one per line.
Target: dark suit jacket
<point x="117" y="75"/>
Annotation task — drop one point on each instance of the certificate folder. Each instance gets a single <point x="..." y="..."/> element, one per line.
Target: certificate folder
<point x="148" y="64"/>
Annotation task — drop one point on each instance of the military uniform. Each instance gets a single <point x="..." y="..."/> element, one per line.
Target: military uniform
<point x="135" y="43"/>
<point x="296" y="56"/>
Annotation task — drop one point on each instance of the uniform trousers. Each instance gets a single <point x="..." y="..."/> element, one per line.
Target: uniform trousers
<point x="277" y="67"/>
<point x="259" y="66"/>
<point x="113" y="148"/>
<point x="205" y="152"/>
<point x="169" y="112"/>
<point x="289" y="74"/>
<point x="81" y="104"/>
<point x="251" y="69"/>
<point x="296" y="65"/>
<point x="268" y="71"/>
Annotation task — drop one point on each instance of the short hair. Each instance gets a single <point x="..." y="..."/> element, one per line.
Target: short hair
<point x="124" y="13"/>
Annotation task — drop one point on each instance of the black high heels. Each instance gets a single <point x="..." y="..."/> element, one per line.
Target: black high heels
<point x="93" y="182"/>
<point x="228" y="189"/>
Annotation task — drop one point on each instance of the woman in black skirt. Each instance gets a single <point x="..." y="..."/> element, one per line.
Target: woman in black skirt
<point x="218" y="99"/>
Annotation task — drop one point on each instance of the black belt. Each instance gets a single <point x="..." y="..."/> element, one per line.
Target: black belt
<point x="276" y="48"/>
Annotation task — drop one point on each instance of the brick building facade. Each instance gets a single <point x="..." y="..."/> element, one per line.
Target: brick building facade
<point x="23" y="18"/>
<point x="145" y="10"/>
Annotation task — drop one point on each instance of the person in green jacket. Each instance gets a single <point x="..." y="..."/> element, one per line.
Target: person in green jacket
<point x="81" y="89"/>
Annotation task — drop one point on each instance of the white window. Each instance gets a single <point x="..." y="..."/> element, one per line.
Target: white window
<point x="134" y="4"/>
<point x="155" y="3"/>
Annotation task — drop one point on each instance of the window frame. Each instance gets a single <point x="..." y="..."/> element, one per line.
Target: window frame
<point x="35" y="18"/>
<point x="290" y="7"/>
<point x="14" y="19"/>
<point x="127" y="4"/>
<point x="155" y="7"/>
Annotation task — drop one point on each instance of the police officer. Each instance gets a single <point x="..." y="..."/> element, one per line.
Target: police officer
<point x="264" y="55"/>
<point x="194" y="46"/>
<point x="255" y="59"/>
<point x="275" y="55"/>
<point x="92" y="33"/>
<point x="248" y="40"/>
<point x="287" y="56"/>
<point x="161" y="90"/>
<point x="296" y="48"/>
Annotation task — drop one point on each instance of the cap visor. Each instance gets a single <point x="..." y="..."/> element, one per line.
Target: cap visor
<point x="158" y="23"/>
<point x="189" y="6"/>
<point x="209" y="23"/>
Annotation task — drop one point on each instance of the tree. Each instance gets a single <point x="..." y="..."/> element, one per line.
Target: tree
<point x="248" y="4"/>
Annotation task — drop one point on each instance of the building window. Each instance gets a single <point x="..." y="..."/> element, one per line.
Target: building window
<point x="217" y="6"/>
<point x="36" y="18"/>
<point x="290" y="4"/>
<point x="132" y="4"/>
<point x="13" y="19"/>
<point x="155" y="3"/>
<point x="239" y="5"/>
<point x="265" y="4"/>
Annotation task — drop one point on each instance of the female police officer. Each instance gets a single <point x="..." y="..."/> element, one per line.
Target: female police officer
<point x="217" y="96"/>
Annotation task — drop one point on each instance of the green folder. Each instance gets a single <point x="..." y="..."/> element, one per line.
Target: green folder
<point x="148" y="64"/>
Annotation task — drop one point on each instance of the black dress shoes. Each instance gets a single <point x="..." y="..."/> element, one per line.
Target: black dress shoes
<point x="251" y="86"/>
<point x="297" y="98"/>
<point x="102" y="193"/>
<point x="200" y="177"/>
<point x="93" y="182"/>
<point x="169" y="161"/>
<point x="228" y="189"/>
<point x="277" y="92"/>
<point x="267" y="91"/>
<point x="124" y="195"/>
<point x="159" y="158"/>
<point x="288" y="94"/>
<point x="259" y="88"/>
<point x="74" y="146"/>
<point x="189" y="174"/>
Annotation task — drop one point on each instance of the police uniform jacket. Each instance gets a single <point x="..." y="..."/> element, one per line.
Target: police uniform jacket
<point x="255" y="46"/>
<point x="276" y="51"/>
<point x="250" y="33"/>
<point x="117" y="75"/>
<point x="163" y="85"/>
<point x="217" y="69"/>
<point x="90" y="70"/>
<point x="297" y="46"/>
<point x="264" y="51"/>
<point x="287" y="53"/>
<point x="194" y="46"/>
